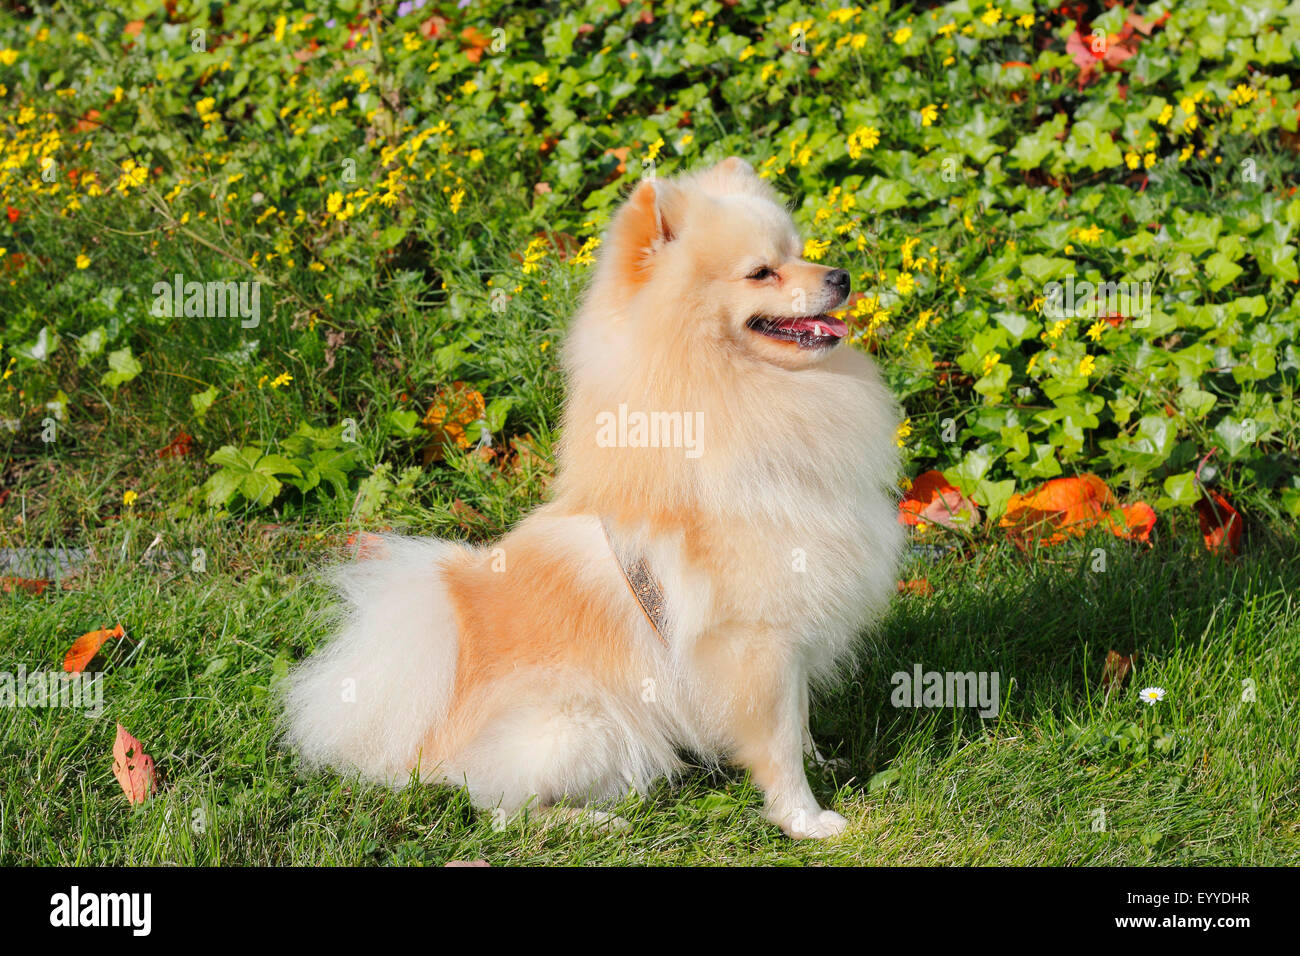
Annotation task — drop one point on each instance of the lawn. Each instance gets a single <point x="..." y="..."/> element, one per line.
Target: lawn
<point x="1206" y="776"/>
<point x="407" y="199"/>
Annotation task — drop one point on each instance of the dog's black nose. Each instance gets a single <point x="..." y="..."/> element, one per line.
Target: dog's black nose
<point x="838" y="280"/>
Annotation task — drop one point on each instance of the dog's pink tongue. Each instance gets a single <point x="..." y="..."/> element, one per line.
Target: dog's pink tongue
<point x="817" y="325"/>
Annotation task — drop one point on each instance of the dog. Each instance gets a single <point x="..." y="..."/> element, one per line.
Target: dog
<point x="723" y="530"/>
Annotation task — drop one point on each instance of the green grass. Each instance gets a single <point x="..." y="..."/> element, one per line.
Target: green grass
<point x="1200" y="778"/>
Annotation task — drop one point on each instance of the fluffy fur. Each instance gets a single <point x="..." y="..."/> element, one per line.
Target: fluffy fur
<point x="526" y="671"/>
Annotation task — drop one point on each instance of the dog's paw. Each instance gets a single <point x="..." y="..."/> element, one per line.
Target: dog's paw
<point x="814" y="824"/>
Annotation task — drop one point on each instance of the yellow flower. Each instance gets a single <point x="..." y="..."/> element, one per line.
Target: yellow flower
<point x="905" y="283"/>
<point x="1132" y="160"/>
<point x="902" y="35"/>
<point x="906" y="249"/>
<point x="1149" y="160"/>
<point x="1090" y="234"/>
<point x="1026" y="21"/>
<point x="864" y="137"/>
<point x="902" y="432"/>
<point x="948" y="29"/>
<point x="333" y="202"/>
<point x="814" y="249"/>
<point x="652" y="151"/>
<point x="992" y="15"/>
<point x="281" y="380"/>
<point x="468" y="87"/>
<point x="128" y="497"/>
<point x="1166" y="115"/>
<point x="1086" y="365"/>
<point x="1095" y="330"/>
<point x="542" y="78"/>
<point x="583" y="257"/>
<point x="83" y="261"/>
<point x="929" y="114"/>
<point x="280" y="23"/>
<point x="457" y="198"/>
<point x="1242" y="95"/>
<point x="8" y="57"/>
<point x="990" y="361"/>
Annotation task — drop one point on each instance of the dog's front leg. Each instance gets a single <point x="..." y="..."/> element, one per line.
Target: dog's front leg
<point x="766" y="697"/>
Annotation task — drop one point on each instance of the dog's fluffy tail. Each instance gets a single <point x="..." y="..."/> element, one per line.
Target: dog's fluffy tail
<point x="367" y="700"/>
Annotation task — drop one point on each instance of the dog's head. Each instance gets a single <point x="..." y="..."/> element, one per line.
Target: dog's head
<point x="715" y="257"/>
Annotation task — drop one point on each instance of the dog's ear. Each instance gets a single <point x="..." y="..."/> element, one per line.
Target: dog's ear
<point x="735" y="166"/>
<point x="650" y="219"/>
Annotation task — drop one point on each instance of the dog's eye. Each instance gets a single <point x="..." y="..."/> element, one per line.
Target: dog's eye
<point x="763" y="272"/>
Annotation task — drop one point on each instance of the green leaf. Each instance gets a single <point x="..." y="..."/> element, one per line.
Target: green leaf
<point x="123" y="367"/>
<point x="202" y="401"/>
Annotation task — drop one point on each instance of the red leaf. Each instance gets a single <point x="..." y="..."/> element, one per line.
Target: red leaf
<point x="178" y="447"/>
<point x="1220" y="523"/>
<point x="933" y="500"/>
<point x="133" y="767"/>
<point x="12" y="213"/>
<point x="84" y="648"/>
<point x="10" y="584"/>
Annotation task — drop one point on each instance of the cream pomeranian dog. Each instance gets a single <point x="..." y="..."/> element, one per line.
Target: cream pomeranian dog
<point x="722" y="531"/>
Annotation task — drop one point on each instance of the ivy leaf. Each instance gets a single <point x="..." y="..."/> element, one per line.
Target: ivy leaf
<point x="123" y="366"/>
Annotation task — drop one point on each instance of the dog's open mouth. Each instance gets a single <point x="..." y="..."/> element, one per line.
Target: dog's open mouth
<point x="805" y="331"/>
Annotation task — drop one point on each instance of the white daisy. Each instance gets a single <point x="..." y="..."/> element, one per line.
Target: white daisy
<point x="1152" y="694"/>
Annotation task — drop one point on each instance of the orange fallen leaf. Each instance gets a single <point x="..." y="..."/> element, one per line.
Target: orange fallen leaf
<point x="10" y="584"/>
<point x="367" y="546"/>
<point x="456" y="407"/>
<point x="84" y="648"/>
<point x="1220" y="523"/>
<point x="1138" y="521"/>
<point x="933" y="500"/>
<point x="133" y="28"/>
<point x="132" y="767"/>
<point x="89" y="120"/>
<point x="918" y="586"/>
<point x="1067" y="507"/>
<point x="476" y="41"/>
